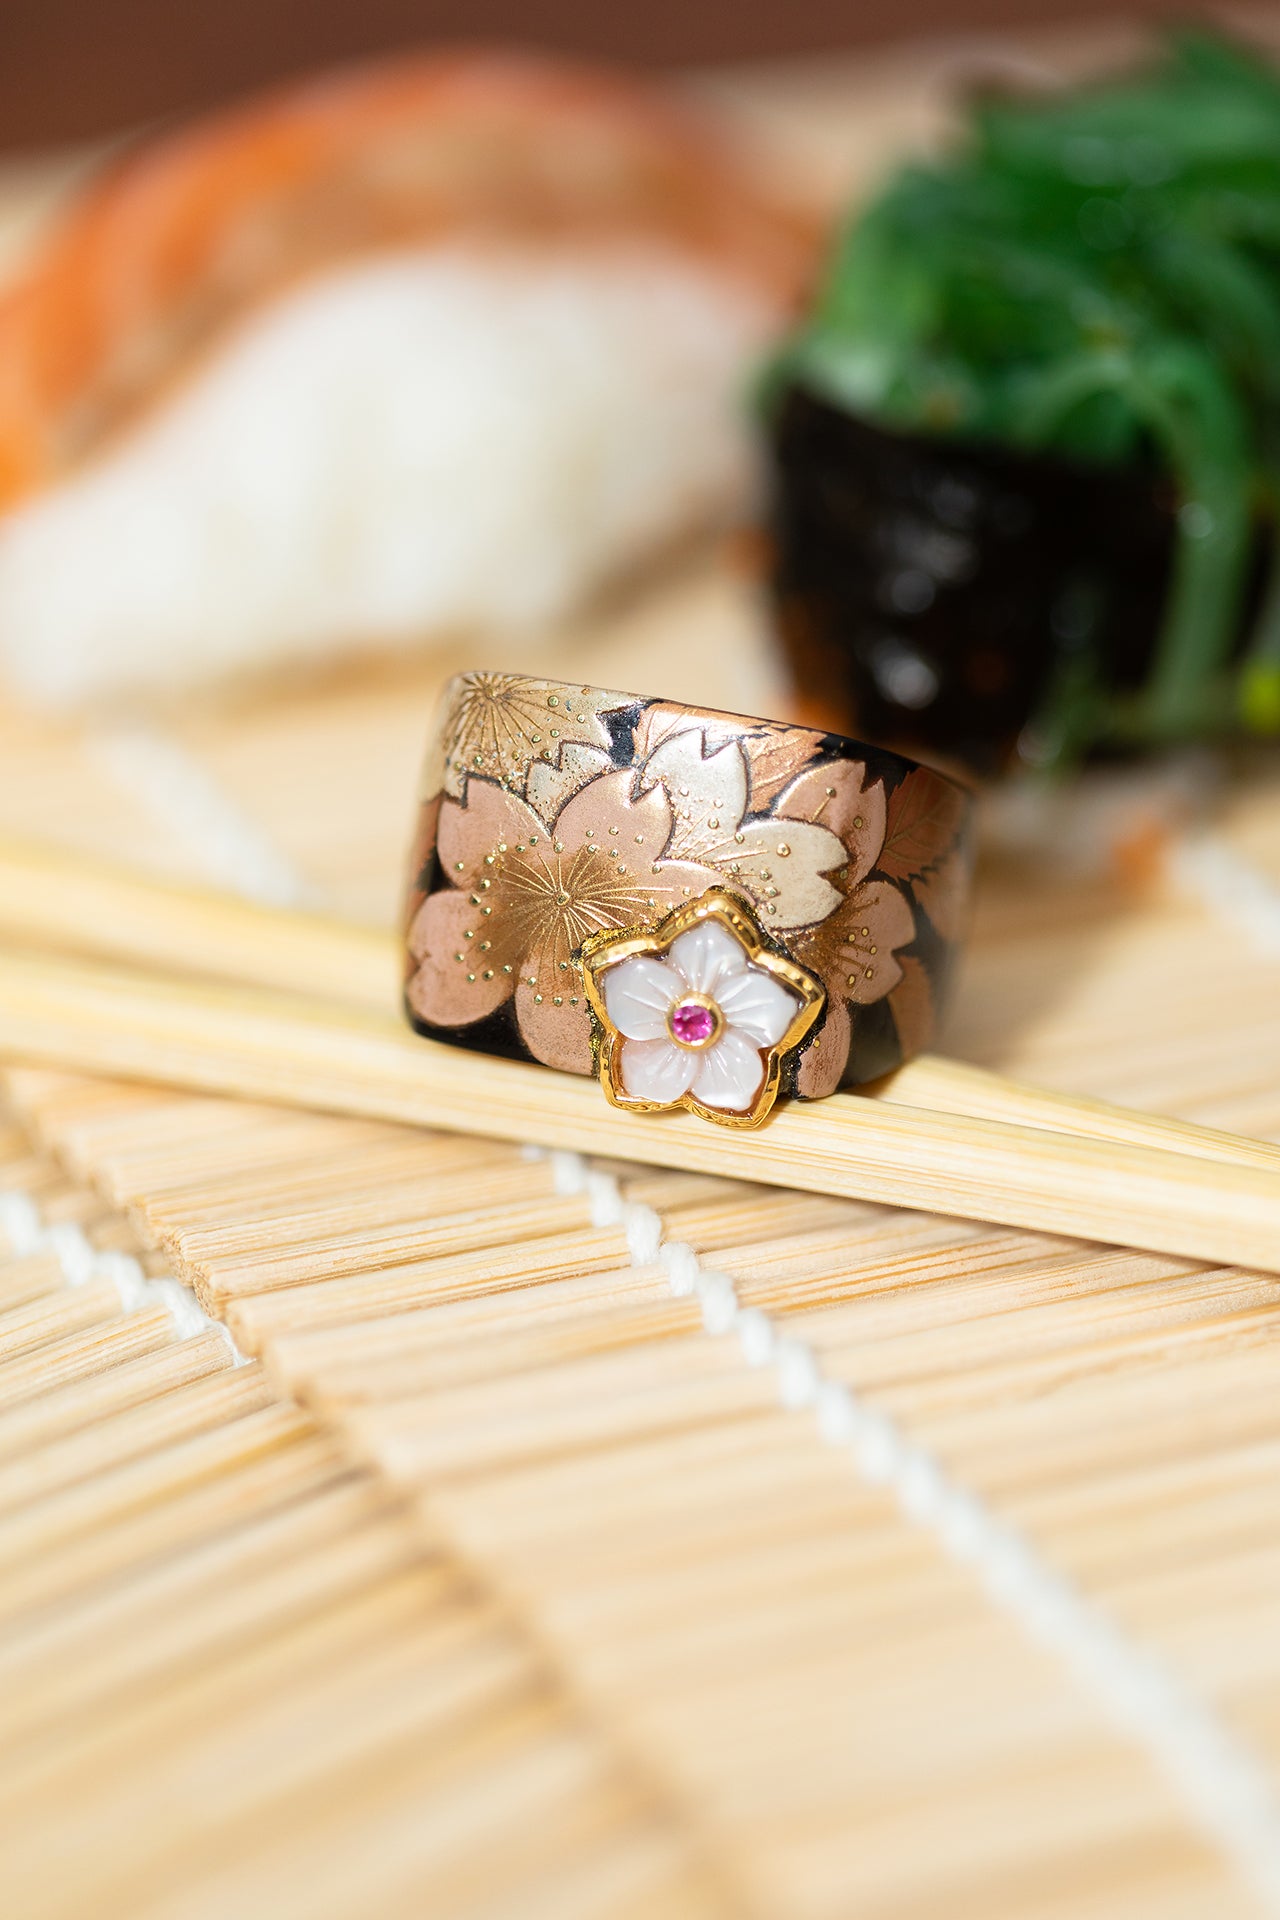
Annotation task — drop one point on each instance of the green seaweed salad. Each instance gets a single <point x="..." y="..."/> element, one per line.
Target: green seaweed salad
<point x="1096" y="274"/>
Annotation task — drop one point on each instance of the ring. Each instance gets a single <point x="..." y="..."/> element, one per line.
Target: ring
<point x="705" y="911"/>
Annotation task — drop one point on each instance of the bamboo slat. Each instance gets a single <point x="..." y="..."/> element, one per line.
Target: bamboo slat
<point x="222" y="1641"/>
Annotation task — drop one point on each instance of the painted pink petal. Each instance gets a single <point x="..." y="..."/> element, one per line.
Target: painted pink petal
<point x="638" y="995"/>
<point x="454" y="984"/>
<point x="707" y="955"/>
<point x="656" y="1070"/>
<point x="758" y="1006"/>
<point x="729" y="1074"/>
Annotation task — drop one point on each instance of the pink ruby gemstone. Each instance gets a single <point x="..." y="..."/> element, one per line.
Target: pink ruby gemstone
<point x="692" y="1023"/>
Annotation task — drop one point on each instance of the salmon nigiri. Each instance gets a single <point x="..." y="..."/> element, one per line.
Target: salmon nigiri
<point x="421" y="347"/>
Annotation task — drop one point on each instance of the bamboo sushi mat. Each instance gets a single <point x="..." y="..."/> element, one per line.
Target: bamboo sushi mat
<point x="404" y="1525"/>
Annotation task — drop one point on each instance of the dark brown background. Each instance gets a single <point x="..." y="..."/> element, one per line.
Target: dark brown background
<point x="73" y="69"/>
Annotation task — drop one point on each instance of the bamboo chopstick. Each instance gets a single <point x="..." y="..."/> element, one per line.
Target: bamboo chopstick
<point x="1105" y="1180"/>
<point x="51" y="898"/>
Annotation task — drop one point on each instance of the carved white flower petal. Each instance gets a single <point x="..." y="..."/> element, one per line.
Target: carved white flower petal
<point x="756" y="1005"/>
<point x="707" y="956"/>
<point x="729" y="1074"/>
<point x="638" y="995"/>
<point x="657" y="1070"/>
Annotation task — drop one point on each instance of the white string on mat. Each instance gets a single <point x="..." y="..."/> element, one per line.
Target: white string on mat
<point x="231" y="847"/>
<point x="1224" y="1789"/>
<point x="79" y="1262"/>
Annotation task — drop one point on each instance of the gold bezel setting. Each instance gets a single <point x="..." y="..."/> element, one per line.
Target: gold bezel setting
<point x="605" y="950"/>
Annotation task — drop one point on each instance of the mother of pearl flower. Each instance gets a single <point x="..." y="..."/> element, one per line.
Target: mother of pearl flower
<point x="670" y="1046"/>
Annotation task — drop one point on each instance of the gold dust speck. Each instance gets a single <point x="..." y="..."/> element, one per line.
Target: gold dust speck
<point x="488" y="975"/>
<point x="853" y="979"/>
<point x="613" y="829"/>
<point x="486" y="909"/>
<point x="873" y="949"/>
<point x="859" y="822"/>
<point x="470" y="934"/>
<point x="557" y="1001"/>
<point x="458" y="865"/>
<point x="713" y="821"/>
<point x="869" y="972"/>
<point x="865" y="932"/>
<point x="506" y="966"/>
<point x="555" y="733"/>
<point x="559" y="846"/>
<point x="783" y="850"/>
<point x="564" y="966"/>
<point x="537" y="999"/>
<point x="639" y="839"/>
<point x="553" y="699"/>
<point x="485" y="945"/>
<point x="613" y="853"/>
<point x="740" y="838"/>
<point x="488" y="860"/>
<point x="457" y="956"/>
<point x="471" y="976"/>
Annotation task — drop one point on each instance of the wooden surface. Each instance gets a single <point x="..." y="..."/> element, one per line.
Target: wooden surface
<point x="792" y="1557"/>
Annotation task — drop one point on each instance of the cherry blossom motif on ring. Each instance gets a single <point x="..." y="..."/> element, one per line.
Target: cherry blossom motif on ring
<point x="698" y="1011"/>
<point x="825" y="880"/>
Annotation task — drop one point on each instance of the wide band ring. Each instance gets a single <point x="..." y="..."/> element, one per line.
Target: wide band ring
<point x="703" y="910"/>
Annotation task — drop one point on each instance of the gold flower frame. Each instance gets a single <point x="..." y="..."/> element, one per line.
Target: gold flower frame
<point x="603" y="951"/>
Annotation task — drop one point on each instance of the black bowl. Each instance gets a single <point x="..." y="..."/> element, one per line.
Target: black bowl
<point x="933" y="593"/>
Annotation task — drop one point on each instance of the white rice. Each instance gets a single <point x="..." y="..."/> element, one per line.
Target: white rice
<point x="436" y="441"/>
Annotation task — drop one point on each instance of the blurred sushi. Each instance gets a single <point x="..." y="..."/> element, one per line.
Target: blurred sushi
<point x="436" y="345"/>
<point x="1026" y="442"/>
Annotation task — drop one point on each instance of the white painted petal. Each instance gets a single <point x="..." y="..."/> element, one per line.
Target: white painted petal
<point x="638" y="993"/>
<point x="656" y="1070"/>
<point x="706" y="956"/>
<point x="729" y="1074"/>
<point x="758" y="1006"/>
